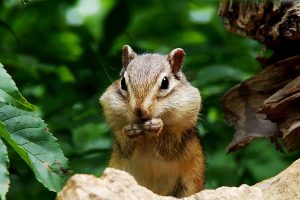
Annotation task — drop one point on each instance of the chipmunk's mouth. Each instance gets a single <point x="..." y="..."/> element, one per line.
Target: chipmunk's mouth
<point x="142" y="120"/>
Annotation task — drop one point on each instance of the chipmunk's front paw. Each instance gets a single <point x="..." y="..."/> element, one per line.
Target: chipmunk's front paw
<point x="133" y="130"/>
<point x="153" y="125"/>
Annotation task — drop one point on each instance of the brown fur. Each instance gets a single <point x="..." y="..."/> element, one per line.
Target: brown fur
<point x="165" y="156"/>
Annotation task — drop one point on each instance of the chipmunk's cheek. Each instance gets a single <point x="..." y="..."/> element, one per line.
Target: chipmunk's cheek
<point x="161" y="111"/>
<point x="156" y="110"/>
<point x="130" y="116"/>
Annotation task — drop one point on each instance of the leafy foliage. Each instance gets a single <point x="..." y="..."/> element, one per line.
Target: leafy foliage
<point x="9" y="91"/>
<point x="27" y="134"/>
<point x="4" y="180"/>
<point x="70" y="51"/>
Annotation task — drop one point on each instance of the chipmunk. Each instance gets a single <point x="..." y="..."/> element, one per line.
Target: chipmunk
<point x="153" y="110"/>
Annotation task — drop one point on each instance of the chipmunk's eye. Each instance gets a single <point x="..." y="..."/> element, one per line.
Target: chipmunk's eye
<point x="164" y="83"/>
<point x="123" y="84"/>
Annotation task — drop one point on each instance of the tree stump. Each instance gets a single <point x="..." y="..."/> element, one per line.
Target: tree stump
<point x="268" y="104"/>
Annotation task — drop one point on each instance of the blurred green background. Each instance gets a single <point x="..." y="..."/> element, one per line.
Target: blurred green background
<point x="63" y="54"/>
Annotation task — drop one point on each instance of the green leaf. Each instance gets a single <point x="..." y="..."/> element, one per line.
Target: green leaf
<point x="215" y="73"/>
<point x="90" y="137"/>
<point x="4" y="25"/>
<point x="65" y="74"/>
<point x="4" y="179"/>
<point x="9" y="92"/>
<point x="29" y="137"/>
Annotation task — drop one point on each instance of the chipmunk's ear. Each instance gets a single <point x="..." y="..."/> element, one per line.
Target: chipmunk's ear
<point x="175" y="59"/>
<point x="127" y="55"/>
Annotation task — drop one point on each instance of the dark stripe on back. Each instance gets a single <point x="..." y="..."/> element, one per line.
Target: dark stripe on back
<point x="187" y="137"/>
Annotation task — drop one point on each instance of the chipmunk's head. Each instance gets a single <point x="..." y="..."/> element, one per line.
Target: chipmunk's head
<point x="152" y="85"/>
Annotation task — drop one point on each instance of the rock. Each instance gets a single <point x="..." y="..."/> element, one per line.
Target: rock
<point x="286" y="185"/>
<point x="119" y="185"/>
<point x="114" y="184"/>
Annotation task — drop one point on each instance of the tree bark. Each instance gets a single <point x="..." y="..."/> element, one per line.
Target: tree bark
<point x="274" y="23"/>
<point x="268" y="104"/>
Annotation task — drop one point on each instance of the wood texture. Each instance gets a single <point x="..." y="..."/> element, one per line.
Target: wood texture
<point x="274" y="23"/>
<point x="268" y="104"/>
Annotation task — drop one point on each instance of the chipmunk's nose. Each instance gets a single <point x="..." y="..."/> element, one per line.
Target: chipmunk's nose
<point x="143" y="115"/>
<point x="139" y="112"/>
